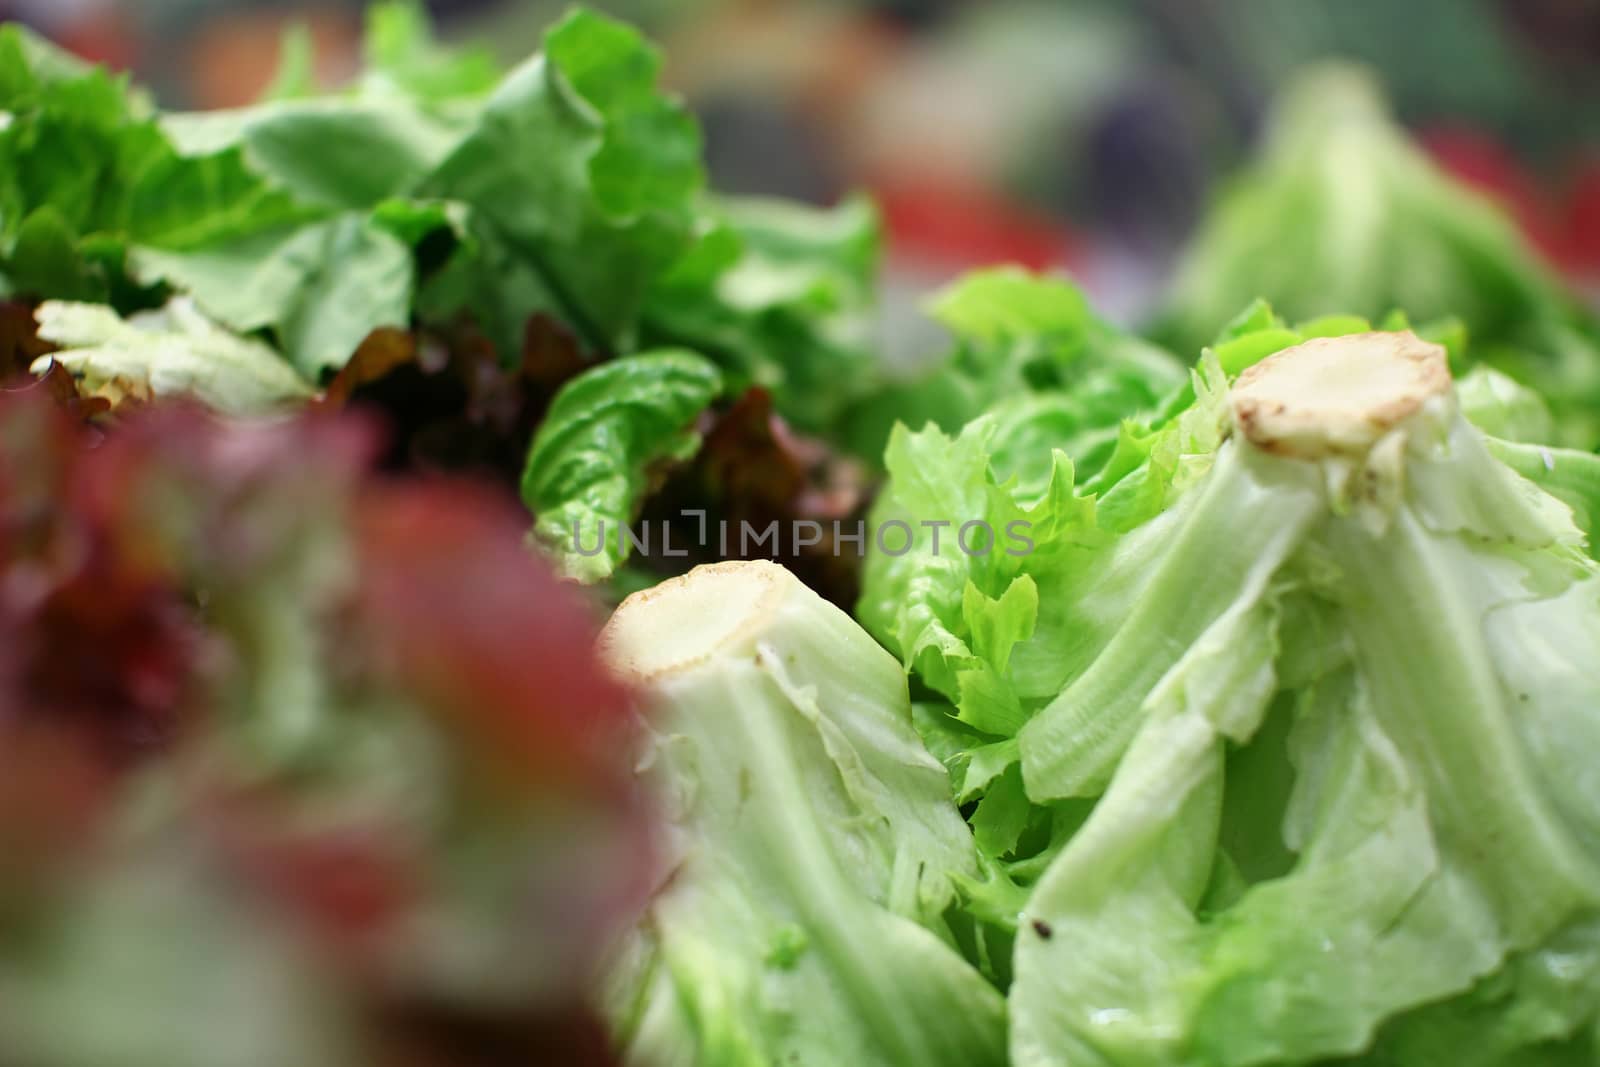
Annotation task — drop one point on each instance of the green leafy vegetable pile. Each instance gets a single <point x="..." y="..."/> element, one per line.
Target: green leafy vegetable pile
<point x="1272" y="736"/>
<point x="1275" y="736"/>
<point x="1032" y="347"/>
<point x="568" y="188"/>
<point x="441" y="242"/>
<point x="1227" y="705"/>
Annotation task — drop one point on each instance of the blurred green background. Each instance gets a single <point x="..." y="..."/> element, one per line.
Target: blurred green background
<point x="1088" y="134"/>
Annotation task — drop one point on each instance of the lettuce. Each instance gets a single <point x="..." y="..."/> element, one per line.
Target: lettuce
<point x="1343" y="214"/>
<point x="801" y="915"/>
<point x="1030" y="348"/>
<point x="590" y="465"/>
<point x="431" y="190"/>
<point x="1428" y="832"/>
<point x="781" y="294"/>
<point x="574" y="168"/>
<point x="464" y="250"/>
<point x="1277" y="728"/>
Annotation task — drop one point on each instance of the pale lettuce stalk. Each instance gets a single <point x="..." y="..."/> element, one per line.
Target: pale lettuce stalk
<point x="1215" y="565"/>
<point x="812" y="841"/>
<point x="1347" y="798"/>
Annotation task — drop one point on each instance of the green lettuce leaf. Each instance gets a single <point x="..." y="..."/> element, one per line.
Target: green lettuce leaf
<point x="1029" y="348"/>
<point x="402" y="56"/>
<point x="86" y="173"/>
<point x="1502" y="408"/>
<point x="341" y="153"/>
<point x="1518" y="427"/>
<point x="591" y="463"/>
<point x="583" y="167"/>
<point x="780" y="294"/>
<point x="999" y="632"/>
<point x="1570" y="476"/>
<point x="321" y="289"/>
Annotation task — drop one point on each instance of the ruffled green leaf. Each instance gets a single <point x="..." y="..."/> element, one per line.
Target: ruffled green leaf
<point x="589" y="467"/>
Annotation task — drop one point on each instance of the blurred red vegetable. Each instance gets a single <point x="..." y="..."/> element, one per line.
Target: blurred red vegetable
<point x="367" y="710"/>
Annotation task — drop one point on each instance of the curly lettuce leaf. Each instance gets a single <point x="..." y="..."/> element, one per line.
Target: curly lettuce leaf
<point x="1029" y="347"/>
<point x="86" y="173"/>
<point x="1570" y="476"/>
<point x="583" y="167"/>
<point x="999" y="630"/>
<point x="1518" y="427"/>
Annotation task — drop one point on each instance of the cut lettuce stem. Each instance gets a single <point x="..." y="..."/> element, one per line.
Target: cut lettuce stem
<point x="1336" y="396"/>
<point x="814" y="840"/>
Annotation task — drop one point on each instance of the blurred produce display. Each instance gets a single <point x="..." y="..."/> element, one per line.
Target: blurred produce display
<point x="1343" y="213"/>
<point x="1022" y="119"/>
